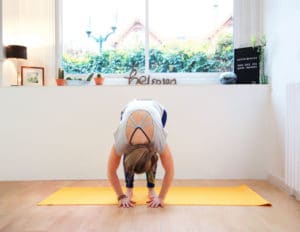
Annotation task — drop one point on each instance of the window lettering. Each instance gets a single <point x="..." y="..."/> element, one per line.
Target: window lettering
<point x="134" y="79"/>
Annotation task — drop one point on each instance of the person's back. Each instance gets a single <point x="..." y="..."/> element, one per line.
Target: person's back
<point x="149" y="117"/>
<point x="142" y="120"/>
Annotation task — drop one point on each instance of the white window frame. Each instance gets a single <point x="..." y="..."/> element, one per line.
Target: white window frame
<point x="117" y="79"/>
<point x="248" y="21"/>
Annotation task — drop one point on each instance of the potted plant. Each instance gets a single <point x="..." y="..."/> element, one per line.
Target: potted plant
<point x="79" y="81"/>
<point x="60" y="81"/>
<point x="99" y="79"/>
<point x="261" y="43"/>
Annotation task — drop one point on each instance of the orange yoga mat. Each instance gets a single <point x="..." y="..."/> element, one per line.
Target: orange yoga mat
<point x="235" y="196"/>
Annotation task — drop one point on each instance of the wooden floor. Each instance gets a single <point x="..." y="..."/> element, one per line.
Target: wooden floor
<point x="19" y="212"/>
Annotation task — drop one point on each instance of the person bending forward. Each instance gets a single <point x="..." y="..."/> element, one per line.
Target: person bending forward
<point x="141" y="140"/>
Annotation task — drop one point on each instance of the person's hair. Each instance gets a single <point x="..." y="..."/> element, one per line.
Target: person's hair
<point x="140" y="158"/>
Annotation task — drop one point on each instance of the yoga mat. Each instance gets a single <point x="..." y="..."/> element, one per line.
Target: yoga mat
<point x="235" y="196"/>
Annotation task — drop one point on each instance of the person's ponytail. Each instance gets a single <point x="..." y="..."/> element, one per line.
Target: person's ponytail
<point x="141" y="158"/>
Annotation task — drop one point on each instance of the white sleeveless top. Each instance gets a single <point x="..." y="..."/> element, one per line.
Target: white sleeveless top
<point x="156" y="111"/>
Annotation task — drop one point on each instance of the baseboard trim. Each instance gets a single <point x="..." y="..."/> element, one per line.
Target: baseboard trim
<point x="297" y="195"/>
<point x="279" y="183"/>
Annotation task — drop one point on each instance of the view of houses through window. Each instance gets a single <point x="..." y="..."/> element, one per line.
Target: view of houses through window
<point x="155" y="36"/>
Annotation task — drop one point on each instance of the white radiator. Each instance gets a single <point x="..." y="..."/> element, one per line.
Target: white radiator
<point x="292" y="162"/>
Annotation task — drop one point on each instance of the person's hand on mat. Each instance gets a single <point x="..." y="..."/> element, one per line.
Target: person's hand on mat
<point x="155" y="202"/>
<point x="126" y="202"/>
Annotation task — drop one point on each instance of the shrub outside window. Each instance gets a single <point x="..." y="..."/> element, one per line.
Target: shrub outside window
<point x="152" y="36"/>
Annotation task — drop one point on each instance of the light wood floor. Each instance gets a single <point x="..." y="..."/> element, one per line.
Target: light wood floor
<point x="19" y="212"/>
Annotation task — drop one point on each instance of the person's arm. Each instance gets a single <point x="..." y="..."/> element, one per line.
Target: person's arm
<point x="168" y="165"/>
<point x="112" y="167"/>
<point x="113" y="164"/>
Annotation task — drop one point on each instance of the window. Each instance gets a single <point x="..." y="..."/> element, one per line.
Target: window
<point x="153" y="36"/>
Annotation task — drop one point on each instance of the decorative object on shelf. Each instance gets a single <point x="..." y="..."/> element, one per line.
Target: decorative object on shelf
<point x="16" y="52"/>
<point x="60" y="81"/>
<point x="76" y="82"/>
<point x="261" y="43"/>
<point x="99" y="79"/>
<point x="246" y="65"/>
<point x="133" y="78"/>
<point x="79" y="81"/>
<point x="32" y="76"/>
<point x="228" y="78"/>
<point x="90" y="77"/>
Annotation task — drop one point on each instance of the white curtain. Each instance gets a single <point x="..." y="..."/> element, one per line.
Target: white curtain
<point x="248" y="21"/>
<point x="30" y="23"/>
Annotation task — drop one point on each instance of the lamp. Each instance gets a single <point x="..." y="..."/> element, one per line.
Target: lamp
<point x="17" y="52"/>
<point x="101" y="39"/>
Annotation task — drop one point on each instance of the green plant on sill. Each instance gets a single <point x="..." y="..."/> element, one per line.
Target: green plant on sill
<point x="77" y="81"/>
<point x="89" y="78"/>
<point x="61" y="74"/>
<point x="261" y="43"/>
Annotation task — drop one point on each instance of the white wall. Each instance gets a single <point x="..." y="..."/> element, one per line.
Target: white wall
<point x="283" y="58"/>
<point x="215" y="132"/>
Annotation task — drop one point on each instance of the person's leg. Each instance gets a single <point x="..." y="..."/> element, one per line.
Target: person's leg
<point x="164" y="118"/>
<point x="151" y="183"/>
<point x="129" y="180"/>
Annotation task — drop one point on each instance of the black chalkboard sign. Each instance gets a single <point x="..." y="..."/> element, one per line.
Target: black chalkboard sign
<point x="246" y="65"/>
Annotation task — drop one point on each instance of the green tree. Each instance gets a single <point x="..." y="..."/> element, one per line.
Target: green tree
<point x="167" y="59"/>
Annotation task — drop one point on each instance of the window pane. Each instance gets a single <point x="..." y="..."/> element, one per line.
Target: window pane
<point x="109" y="36"/>
<point x="103" y="36"/>
<point x="190" y="35"/>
